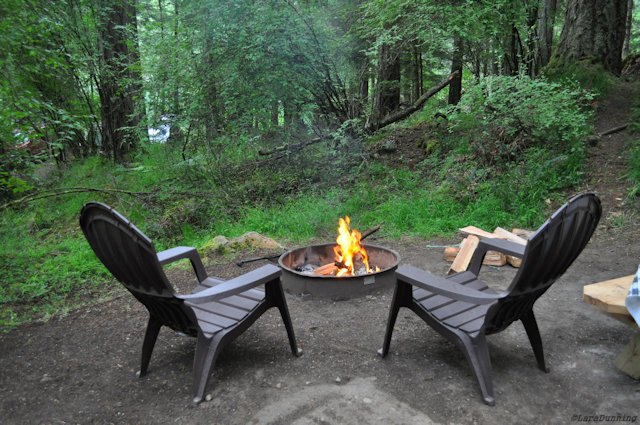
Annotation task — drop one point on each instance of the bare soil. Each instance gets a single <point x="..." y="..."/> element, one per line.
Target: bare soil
<point x="80" y="367"/>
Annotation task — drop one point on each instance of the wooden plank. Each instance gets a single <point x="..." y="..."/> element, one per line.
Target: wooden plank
<point x="463" y="259"/>
<point x="509" y="236"/>
<point x="514" y="261"/>
<point x="609" y="296"/>
<point x="526" y="234"/>
<point x="450" y="253"/>
<point x="492" y="258"/>
<point x="475" y="231"/>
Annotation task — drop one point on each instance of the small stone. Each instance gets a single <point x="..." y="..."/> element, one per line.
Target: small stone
<point x="338" y="380"/>
<point x="367" y="400"/>
<point x="209" y="397"/>
<point x="278" y="385"/>
<point x="308" y="383"/>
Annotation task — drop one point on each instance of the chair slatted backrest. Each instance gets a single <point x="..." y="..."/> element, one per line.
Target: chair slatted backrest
<point x="549" y="253"/>
<point x="131" y="258"/>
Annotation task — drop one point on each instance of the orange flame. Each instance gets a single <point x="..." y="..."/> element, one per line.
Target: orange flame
<point x="348" y="247"/>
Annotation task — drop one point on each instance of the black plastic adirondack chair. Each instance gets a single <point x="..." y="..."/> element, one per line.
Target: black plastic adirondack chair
<point x="216" y="312"/>
<point x="464" y="309"/>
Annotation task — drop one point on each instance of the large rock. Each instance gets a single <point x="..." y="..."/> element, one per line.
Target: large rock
<point x="250" y="240"/>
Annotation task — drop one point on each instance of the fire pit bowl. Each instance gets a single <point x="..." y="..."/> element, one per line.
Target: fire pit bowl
<point x="298" y="282"/>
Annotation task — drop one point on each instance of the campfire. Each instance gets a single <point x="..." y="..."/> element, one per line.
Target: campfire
<point x="339" y="270"/>
<point x="350" y="257"/>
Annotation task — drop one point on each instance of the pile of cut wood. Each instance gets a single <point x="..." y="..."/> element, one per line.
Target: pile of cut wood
<point x="460" y="256"/>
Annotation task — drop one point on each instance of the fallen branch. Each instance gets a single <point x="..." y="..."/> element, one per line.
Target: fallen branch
<point x="614" y="130"/>
<point x="370" y="231"/>
<point x="290" y="148"/>
<point x="390" y="119"/>
<point x="68" y="191"/>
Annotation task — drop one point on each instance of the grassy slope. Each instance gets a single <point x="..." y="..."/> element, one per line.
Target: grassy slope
<point x="46" y="266"/>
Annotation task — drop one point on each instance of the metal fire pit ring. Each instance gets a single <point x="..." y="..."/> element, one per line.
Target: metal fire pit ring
<point x="332" y="287"/>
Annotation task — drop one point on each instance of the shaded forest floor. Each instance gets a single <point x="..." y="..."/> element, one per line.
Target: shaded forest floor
<point x="80" y="367"/>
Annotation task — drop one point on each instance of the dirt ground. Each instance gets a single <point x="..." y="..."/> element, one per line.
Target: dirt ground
<point x="80" y="367"/>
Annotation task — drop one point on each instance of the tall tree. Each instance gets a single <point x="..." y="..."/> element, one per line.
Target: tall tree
<point x="455" y="88"/>
<point x="388" y="92"/>
<point x="119" y="79"/>
<point x="628" y="27"/>
<point x="594" y="29"/>
<point x="546" y="20"/>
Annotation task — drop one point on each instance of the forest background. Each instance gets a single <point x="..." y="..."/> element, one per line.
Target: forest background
<point x="205" y="117"/>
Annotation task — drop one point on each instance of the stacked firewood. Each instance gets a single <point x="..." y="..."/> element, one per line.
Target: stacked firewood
<point x="460" y="256"/>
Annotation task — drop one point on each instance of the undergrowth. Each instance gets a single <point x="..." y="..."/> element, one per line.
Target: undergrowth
<point x="509" y="146"/>
<point x="633" y="157"/>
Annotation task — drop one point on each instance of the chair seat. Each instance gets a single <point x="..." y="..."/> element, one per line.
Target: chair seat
<point x="463" y="315"/>
<point x="227" y="312"/>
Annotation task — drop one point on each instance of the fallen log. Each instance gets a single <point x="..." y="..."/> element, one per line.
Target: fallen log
<point x="614" y="129"/>
<point x="397" y="116"/>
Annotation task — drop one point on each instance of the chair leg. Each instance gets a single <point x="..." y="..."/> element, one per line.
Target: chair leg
<point x="400" y="294"/>
<point x="150" y="337"/>
<point x="207" y="350"/>
<point x="531" y="326"/>
<point x="477" y="353"/>
<point x="277" y="296"/>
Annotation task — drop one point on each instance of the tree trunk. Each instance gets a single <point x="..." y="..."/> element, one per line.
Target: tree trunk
<point x="594" y="29"/>
<point x="455" y="87"/>
<point x="532" y="40"/>
<point x="511" y="58"/>
<point x="416" y="71"/>
<point x="118" y="81"/>
<point x="627" y="35"/>
<point x="546" y="20"/>
<point x="275" y="113"/>
<point x="388" y="80"/>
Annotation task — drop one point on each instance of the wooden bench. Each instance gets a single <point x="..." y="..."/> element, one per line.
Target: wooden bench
<point x="609" y="296"/>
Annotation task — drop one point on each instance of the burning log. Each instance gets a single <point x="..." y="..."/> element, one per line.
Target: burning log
<point x="348" y="247"/>
<point x="326" y="270"/>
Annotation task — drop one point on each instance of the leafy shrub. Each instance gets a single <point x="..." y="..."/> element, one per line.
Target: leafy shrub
<point x="504" y="116"/>
<point x="587" y="73"/>
<point x="515" y="142"/>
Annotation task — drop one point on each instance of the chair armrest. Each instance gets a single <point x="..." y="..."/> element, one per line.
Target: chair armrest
<point x="442" y="286"/>
<point x="184" y="252"/>
<point x="494" y="244"/>
<point x="234" y="286"/>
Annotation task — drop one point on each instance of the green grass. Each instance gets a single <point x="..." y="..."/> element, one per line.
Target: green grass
<point x="46" y="266"/>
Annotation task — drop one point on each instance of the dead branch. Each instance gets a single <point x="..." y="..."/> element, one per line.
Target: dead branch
<point x="370" y="231"/>
<point x="291" y="148"/>
<point x="397" y="116"/>
<point x="52" y="193"/>
<point x="615" y="129"/>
